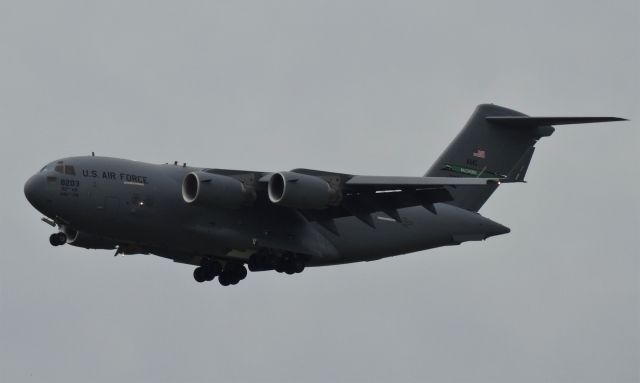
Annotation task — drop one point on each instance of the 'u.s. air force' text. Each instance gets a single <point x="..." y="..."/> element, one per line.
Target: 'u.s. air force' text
<point x="124" y="177"/>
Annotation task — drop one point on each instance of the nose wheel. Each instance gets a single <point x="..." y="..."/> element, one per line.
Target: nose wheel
<point x="58" y="239"/>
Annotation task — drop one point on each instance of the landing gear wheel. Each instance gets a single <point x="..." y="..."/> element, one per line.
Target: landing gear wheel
<point x="211" y="271"/>
<point x="200" y="274"/>
<point x="290" y="263"/>
<point x="208" y="274"/>
<point x="215" y="267"/>
<point x="241" y="273"/>
<point x="232" y="273"/>
<point x="255" y="261"/>
<point x="58" y="239"/>
<point x="223" y="280"/>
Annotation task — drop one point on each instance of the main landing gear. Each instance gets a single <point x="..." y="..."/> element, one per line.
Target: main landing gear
<point x="207" y="272"/>
<point x="235" y="271"/>
<point x="58" y="239"/>
<point x="288" y="262"/>
<point x="230" y="274"/>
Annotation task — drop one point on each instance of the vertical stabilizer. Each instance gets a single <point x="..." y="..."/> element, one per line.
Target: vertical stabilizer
<point x="496" y="142"/>
<point x="484" y="149"/>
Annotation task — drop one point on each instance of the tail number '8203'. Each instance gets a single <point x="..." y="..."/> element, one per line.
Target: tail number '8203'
<point x="70" y="183"/>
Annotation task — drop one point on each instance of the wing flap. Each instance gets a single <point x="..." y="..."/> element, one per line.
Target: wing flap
<point x="413" y="182"/>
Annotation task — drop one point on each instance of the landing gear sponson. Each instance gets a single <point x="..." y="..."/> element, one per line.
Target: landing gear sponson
<point x="234" y="271"/>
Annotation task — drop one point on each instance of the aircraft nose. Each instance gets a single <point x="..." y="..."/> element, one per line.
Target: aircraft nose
<point x="33" y="189"/>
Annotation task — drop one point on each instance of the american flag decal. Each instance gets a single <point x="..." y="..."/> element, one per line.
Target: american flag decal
<point x="480" y="153"/>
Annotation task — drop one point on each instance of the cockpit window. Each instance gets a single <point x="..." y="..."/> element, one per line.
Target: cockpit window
<point x="43" y="169"/>
<point x="62" y="169"/>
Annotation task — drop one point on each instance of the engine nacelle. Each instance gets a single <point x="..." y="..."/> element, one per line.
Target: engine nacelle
<point x="216" y="190"/>
<point x="88" y="241"/>
<point x="302" y="191"/>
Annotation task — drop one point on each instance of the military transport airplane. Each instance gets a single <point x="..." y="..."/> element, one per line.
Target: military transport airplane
<point x="220" y="220"/>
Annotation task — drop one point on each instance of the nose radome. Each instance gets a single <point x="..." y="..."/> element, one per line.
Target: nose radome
<point x="31" y="189"/>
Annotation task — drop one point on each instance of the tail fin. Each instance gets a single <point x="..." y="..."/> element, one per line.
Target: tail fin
<point x="495" y="142"/>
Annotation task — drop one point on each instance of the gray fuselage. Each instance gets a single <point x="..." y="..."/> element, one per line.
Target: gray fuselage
<point x="139" y="206"/>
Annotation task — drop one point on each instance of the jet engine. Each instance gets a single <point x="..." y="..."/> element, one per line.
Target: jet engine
<point x="88" y="241"/>
<point x="209" y="189"/>
<point x="302" y="191"/>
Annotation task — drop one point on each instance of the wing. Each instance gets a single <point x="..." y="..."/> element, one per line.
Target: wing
<point x="360" y="196"/>
<point x="379" y="182"/>
<point x="363" y="195"/>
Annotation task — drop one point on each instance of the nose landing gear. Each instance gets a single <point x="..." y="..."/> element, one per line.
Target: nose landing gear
<point x="58" y="239"/>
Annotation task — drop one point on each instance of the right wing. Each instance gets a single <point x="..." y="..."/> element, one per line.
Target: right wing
<point x="364" y="195"/>
<point x="381" y="182"/>
<point x="360" y="196"/>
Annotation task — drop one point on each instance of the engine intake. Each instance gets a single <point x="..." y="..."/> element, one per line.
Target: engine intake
<point x="302" y="191"/>
<point x="216" y="190"/>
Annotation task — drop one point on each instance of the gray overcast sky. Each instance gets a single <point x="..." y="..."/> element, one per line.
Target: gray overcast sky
<point x="366" y="87"/>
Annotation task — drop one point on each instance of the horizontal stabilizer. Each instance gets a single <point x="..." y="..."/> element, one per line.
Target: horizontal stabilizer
<point x="526" y="121"/>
